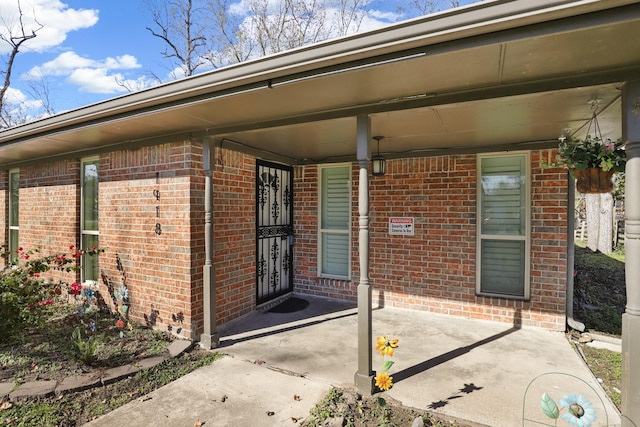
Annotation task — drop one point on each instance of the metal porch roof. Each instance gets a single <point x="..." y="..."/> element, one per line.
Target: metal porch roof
<point x="495" y="75"/>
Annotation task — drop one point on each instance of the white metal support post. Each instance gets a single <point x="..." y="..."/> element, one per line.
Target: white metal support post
<point x="631" y="317"/>
<point x="209" y="338"/>
<point x="365" y="375"/>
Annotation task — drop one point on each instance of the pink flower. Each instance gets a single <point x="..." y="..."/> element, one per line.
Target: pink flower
<point x="610" y="146"/>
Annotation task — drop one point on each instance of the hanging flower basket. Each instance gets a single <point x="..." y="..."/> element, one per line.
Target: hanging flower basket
<point x="592" y="161"/>
<point x="594" y="180"/>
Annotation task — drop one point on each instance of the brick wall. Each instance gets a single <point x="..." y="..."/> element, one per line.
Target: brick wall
<point x="305" y="226"/>
<point x="234" y="234"/>
<point x="150" y="203"/>
<point x="164" y="271"/>
<point x="164" y="185"/>
<point x="549" y="218"/>
<point x="50" y="209"/>
<point x="151" y="225"/>
<point x="434" y="270"/>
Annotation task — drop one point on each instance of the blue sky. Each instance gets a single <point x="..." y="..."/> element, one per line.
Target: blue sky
<point x="85" y="46"/>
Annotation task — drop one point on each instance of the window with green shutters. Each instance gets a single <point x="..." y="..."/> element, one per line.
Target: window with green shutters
<point x="503" y="227"/>
<point x="335" y="215"/>
<point x="14" y="213"/>
<point x="89" y="218"/>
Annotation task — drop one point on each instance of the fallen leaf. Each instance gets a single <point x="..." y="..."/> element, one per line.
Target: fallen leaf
<point x="198" y="423"/>
<point x="294" y="419"/>
<point x="296" y="397"/>
<point x="259" y="362"/>
<point x="270" y="413"/>
<point x="5" y="405"/>
<point x="224" y="398"/>
<point x="144" y="398"/>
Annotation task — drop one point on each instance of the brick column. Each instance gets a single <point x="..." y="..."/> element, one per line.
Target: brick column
<point x="631" y="317"/>
<point x="365" y="375"/>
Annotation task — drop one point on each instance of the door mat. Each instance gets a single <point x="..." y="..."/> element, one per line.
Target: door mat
<point x="289" y="306"/>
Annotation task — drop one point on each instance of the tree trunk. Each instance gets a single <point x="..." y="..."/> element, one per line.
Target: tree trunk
<point x="599" y="209"/>
<point x="605" y="235"/>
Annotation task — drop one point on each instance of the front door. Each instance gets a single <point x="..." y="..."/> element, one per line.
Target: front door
<point x="274" y="230"/>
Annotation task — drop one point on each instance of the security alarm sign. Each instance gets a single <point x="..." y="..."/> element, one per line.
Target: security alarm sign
<point x="401" y="226"/>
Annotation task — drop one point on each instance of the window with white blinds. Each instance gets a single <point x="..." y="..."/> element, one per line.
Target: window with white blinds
<point x="14" y="210"/>
<point x="503" y="228"/>
<point x="335" y="213"/>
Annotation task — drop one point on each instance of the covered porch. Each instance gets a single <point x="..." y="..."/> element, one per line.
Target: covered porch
<point x="494" y="76"/>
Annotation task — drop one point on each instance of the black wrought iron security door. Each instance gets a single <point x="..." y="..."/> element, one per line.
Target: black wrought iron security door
<point x="274" y="229"/>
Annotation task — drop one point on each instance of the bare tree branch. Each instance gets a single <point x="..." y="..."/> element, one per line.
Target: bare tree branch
<point x="15" y="40"/>
<point x="181" y="25"/>
<point x="214" y="33"/>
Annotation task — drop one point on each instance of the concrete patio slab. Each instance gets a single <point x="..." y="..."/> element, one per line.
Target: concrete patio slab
<point x="485" y="373"/>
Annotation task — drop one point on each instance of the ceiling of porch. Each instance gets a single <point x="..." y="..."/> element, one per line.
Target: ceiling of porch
<point x="483" y="78"/>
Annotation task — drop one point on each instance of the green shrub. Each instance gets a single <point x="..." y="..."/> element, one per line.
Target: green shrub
<point x="84" y="346"/>
<point x="25" y="296"/>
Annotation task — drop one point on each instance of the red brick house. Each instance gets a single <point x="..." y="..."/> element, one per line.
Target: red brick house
<point x="228" y="191"/>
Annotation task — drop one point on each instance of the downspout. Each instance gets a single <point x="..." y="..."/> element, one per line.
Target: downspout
<point x="571" y="254"/>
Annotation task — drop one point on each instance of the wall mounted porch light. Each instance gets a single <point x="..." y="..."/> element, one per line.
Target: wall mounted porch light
<point x="378" y="162"/>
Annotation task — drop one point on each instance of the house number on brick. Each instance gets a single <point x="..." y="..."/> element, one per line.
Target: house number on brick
<point x="156" y="194"/>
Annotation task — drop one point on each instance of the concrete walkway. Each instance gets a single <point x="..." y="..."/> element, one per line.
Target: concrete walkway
<point x="280" y="364"/>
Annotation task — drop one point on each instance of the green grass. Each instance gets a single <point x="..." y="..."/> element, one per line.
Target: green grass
<point x="46" y="352"/>
<point x="606" y="365"/>
<point x="599" y="302"/>
<point x="77" y="408"/>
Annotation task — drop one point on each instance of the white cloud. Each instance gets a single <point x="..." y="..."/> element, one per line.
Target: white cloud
<point x="15" y="96"/>
<point x="99" y="80"/>
<point x="62" y="65"/>
<point x="90" y="75"/>
<point x="20" y="108"/>
<point x="50" y="19"/>
<point x="66" y="62"/>
<point x="385" y="15"/>
<point x="96" y="80"/>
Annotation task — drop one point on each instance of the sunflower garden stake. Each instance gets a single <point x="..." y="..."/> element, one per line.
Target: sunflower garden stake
<point x="386" y="347"/>
<point x="579" y="411"/>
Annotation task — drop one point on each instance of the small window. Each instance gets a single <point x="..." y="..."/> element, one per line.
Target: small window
<point x="503" y="228"/>
<point x="14" y="213"/>
<point x="334" y="221"/>
<point x="89" y="218"/>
